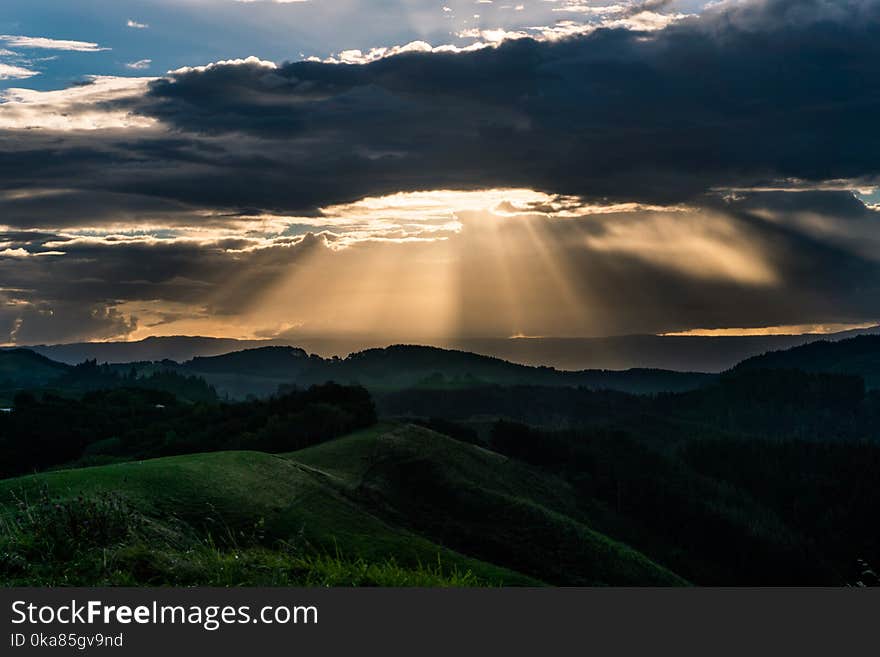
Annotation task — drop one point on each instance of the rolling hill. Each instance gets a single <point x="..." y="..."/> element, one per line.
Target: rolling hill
<point x="551" y="480"/>
<point x="177" y="348"/>
<point x="859" y="356"/>
<point x="261" y="371"/>
<point x="348" y="498"/>
<point x="22" y="368"/>
<point x="262" y="366"/>
<point x="480" y="503"/>
<point x="684" y="353"/>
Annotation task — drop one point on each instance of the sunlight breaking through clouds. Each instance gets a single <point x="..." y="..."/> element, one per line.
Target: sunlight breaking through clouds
<point x="792" y="329"/>
<point x="532" y="174"/>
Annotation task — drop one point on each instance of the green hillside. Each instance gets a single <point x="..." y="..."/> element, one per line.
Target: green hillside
<point x="328" y="505"/>
<point x="226" y="495"/>
<point x="480" y="503"/>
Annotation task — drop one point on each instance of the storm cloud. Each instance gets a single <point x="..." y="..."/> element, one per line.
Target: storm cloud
<point x="717" y="172"/>
<point x="744" y="94"/>
<point x="740" y="95"/>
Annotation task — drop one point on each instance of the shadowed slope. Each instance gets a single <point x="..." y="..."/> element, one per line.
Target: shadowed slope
<point x="481" y="503"/>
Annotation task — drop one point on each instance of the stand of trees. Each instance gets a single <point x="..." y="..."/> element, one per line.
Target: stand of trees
<point x="48" y="430"/>
<point x="718" y="511"/>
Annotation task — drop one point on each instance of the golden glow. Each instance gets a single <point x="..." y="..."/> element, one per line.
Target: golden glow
<point x="792" y="329"/>
<point x="439" y="264"/>
<point x="699" y="245"/>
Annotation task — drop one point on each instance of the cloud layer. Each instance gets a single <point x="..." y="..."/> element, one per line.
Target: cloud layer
<point x="741" y="96"/>
<point x="45" y="43"/>
<point x="697" y="175"/>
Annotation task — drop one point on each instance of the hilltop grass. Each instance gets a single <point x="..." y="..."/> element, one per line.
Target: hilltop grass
<point x="480" y="503"/>
<point x="101" y="540"/>
<point x="393" y="505"/>
<point x="209" y="566"/>
<point x="201" y="508"/>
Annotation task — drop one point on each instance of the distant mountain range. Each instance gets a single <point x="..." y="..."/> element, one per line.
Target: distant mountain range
<point x="177" y="348"/>
<point x="679" y="353"/>
<point x="262" y="370"/>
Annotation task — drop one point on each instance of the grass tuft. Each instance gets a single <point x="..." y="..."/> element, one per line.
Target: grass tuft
<point x="101" y="540"/>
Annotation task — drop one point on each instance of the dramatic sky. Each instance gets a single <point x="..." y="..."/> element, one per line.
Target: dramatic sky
<point x="420" y="169"/>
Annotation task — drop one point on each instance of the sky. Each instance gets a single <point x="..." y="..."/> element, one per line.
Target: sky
<point x="421" y="171"/>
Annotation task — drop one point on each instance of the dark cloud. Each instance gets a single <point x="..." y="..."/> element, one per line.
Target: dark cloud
<point x="92" y="208"/>
<point x="748" y="93"/>
<point x="112" y="272"/>
<point x="743" y="94"/>
<point x="748" y="96"/>
<point x="47" y="322"/>
<point x="79" y="295"/>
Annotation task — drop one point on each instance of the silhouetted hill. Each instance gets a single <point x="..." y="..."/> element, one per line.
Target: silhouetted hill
<point x="666" y="352"/>
<point x="858" y="356"/>
<point x="761" y="404"/>
<point x="177" y="348"/>
<point x="25" y="370"/>
<point x="259" y="371"/>
<point x="265" y="361"/>
<point x="680" y="353"/>
<point x="22" y="368"/>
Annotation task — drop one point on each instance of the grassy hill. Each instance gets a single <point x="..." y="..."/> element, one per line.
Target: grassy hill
<point x="481" y="503"/>
<point x="233" y="518"/>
